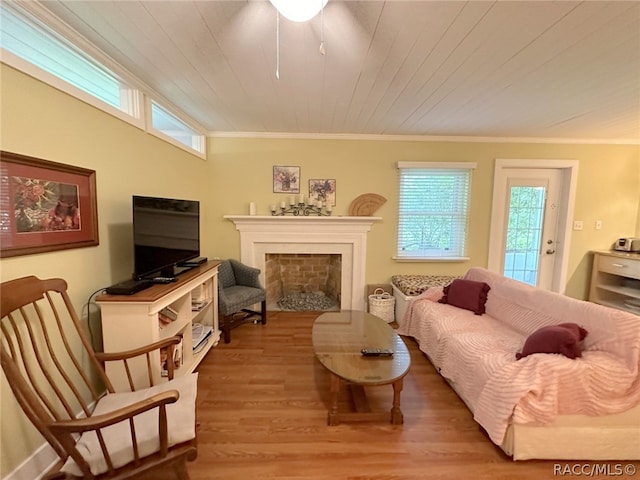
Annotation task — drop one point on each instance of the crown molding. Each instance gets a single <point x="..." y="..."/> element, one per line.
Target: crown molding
<point x="423" y="138"/>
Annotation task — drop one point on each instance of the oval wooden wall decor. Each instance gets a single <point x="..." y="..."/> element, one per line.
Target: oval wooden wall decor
<point x="366" y="205"/>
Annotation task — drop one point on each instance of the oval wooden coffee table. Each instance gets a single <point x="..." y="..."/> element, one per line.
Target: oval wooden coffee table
<point x="338" y="338"/>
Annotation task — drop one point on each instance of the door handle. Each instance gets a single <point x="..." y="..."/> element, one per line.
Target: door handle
<point x="550" y="251"/>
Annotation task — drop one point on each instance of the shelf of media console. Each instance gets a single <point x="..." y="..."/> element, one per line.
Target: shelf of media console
<point x="200" y="350"/>
<point x="201" y="308"/>
<point x="203" y="347"/>
<point x="175" y="327"/>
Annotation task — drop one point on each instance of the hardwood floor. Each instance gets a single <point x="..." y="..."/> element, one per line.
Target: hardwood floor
<point x="262" y="411"/>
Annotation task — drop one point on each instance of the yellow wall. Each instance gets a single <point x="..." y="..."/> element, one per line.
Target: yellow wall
<point x="42" y="122"/>
<point x="608" y="190"/>
<point x="638" y="221"/>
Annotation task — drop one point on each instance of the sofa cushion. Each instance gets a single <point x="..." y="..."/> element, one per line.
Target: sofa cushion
<point x="564" y="338"/>
<point x="467" y="294"/>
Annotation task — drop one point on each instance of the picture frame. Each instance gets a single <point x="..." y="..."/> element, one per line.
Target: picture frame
<point x="45" y="206"/>
<point x="323" y="189"/>
<point x="286" y="179"/>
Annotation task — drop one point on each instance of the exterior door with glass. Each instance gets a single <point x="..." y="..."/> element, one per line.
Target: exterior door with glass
<point x="529" y="233"/>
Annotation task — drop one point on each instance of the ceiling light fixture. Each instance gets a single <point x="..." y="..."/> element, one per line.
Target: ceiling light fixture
<point x="299" y="10"/>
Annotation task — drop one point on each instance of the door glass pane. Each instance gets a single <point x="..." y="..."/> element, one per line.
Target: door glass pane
<point x="524" y="232"/>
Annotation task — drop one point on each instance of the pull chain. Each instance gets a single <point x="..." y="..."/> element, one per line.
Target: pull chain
<point x="277" y="45"/>
<point x="322" y="49"/>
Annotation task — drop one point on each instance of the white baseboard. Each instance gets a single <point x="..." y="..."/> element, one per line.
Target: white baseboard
<point x="40" y="461"/>
<point x="35" y="466"/>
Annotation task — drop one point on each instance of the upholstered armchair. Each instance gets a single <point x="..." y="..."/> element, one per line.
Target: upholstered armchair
<point x="238" y="289"/>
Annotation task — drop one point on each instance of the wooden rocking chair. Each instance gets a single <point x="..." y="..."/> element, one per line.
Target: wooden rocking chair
<point x="115" y="435"/>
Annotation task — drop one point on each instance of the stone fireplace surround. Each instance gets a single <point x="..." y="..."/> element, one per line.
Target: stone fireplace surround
<point x="345" y="236"/>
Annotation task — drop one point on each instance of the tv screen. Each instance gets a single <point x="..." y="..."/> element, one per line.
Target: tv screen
<point x="166" y="232"/>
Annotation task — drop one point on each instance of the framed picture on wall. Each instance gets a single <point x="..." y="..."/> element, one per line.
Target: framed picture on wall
<point x="324" y="190"/>
<point x="286" y="179"/>
<point x="45" y="206"/>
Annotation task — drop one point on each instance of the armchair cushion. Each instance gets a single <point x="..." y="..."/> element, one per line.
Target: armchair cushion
<point x="234" y="299"/>
<point x="181" y="419"/>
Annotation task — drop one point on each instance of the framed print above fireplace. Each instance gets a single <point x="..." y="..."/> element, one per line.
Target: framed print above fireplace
<point x="323" y="190"/>
<point x="286" y="179"/>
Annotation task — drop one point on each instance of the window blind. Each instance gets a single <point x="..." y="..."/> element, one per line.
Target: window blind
<point x="433" y="209"/>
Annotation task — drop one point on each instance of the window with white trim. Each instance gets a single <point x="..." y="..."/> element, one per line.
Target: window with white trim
<point x="27" y="38"/>
<point x="433" y="210"/>
<point x="168" y="124"/>
<point x="30" y="45"/>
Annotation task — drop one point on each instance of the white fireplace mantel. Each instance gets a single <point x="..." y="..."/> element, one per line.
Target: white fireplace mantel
<point x="346" y="236"/>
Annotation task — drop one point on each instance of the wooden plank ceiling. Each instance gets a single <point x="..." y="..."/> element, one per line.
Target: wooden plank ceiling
<point x="494" y="69"/>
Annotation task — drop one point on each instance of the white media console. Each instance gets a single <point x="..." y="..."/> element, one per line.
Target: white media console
<point x="131" y="321"/>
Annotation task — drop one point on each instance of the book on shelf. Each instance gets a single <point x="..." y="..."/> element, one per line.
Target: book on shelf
<point x="163" y="320"/>
<point x="169" y="312"/>
<point x="196" y="306"/>
<point x="177" y="358"/>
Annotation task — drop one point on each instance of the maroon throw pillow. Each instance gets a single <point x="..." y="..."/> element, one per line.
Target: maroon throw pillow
<point x="467" y="294"/>
<point x="564" y="339"/>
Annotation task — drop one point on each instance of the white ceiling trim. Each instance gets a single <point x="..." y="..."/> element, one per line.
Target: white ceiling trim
<point x="422" y="138"/>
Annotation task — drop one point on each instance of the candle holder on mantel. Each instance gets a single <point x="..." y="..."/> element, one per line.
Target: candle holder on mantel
<point x="301" y="209"/>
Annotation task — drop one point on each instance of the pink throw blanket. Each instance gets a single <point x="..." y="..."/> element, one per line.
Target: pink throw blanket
<point x="477" y="354"/>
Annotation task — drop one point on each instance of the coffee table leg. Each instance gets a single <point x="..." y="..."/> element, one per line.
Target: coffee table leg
<point x="396" y="414"/>
<point x="333" y="418"/>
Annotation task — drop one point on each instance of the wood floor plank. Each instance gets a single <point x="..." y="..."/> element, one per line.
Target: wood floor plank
<point x="262" y="413"/>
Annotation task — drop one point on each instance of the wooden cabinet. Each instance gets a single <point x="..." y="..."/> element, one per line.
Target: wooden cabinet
<point x="130" y="321"/>
<point x="615" y="280"/>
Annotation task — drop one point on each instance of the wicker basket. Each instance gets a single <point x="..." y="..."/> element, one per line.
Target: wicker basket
<point x="382" y="304"/>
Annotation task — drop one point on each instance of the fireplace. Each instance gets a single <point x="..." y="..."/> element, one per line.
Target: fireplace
<point x="303" y="282"/>
<point x="342" y="236"/>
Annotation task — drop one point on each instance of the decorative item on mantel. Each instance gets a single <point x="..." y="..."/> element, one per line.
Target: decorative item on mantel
<point x="298" y="207"/>
<point x="366" y="205"/>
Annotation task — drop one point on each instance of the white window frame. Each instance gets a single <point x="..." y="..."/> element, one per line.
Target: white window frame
<point x="198" y="139"/>
<point x="134" y="98"/>
<point x="130" y="98"/>
<point x="435" y="255"/>
<point x="135" y="102"/>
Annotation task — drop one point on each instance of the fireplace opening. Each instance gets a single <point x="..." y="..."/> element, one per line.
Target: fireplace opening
<point x="303" y="281"/>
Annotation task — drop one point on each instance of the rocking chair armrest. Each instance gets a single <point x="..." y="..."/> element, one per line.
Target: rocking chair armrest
<point x="81" y="425"/>
<point x="56" y="476"/>
<point x="115" y="356"/>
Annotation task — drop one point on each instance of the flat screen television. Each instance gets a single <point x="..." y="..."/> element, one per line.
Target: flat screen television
<point x="166" y="232"/>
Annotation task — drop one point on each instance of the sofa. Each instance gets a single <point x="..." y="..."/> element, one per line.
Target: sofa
<point x="482" y="334"/>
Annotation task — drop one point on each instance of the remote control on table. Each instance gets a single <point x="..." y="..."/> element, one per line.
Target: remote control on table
<point x="164" y="279"/>
<point x="376" y="352"/>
